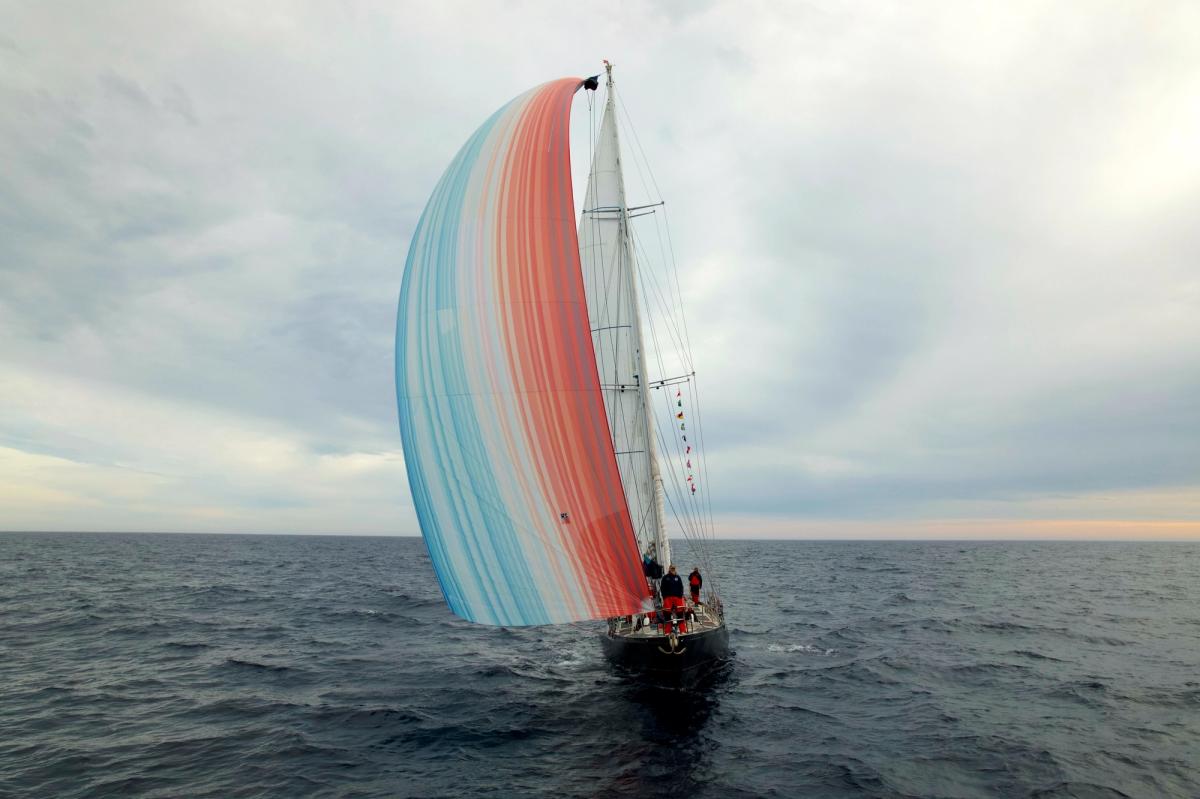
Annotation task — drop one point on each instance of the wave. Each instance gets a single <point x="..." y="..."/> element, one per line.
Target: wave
<point x="358" y="681"/>
<point x="1078" y="790"/>
<point x="1029" y="653"/>
<point x="807" y="649"/>
<point x="256" y="666"/>
<point x="187" y="645"/>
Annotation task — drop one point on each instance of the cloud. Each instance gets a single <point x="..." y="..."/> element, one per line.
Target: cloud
<point x="90" y="450"/>
<point x="939" y="262"/>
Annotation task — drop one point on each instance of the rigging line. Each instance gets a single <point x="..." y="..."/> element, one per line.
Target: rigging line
<point x="657" y="427"/>
<point x="667" y="311"/>
<point x="645" y="256"/>
<point x="613" y="301"/>
<point x="631" y="273"/>
<point x="675" y="271"/>
<point x="643" y="160"/>
<point x="666" y="221"/>
<point x="616" y="209"/>
<point x="694" y="529"/>
<point x="704" y="463"/>
<point x="642" y="525"/>
<point x="689" y="518"/>
<point x="619" y="420"/>
<point x="701" y="540"/>
<point x="615" y="408"/>
<point x="679" y="294"/>
<point x="635" y="490"/>
<point x="660" y="350"/>
<point x="625" y="429"/>
<point x="608" y="275"/>
<point x="676" y="515"/>
<point x="667" y="382"/>
<point x="700" y="449"/>
<point x="668" y="300"/>
<point x="683" y="340"/>
<point x="659" y="357"/>
<point x="596" y="260"/>
<point x="624" y="232"/>
<point x="680" y="516"/>
<point x="633" y="422"/>
<point x="688" y="500"/>
<point x="702" y="456"/>
<point x="624" y="426"/>
<point x="655" y="299"/>
<point x="675" y="453"/>
<point x="673" y="275"/>
<point x="602" y="278"/>
<point x="698" y="543"/>
<point x="686" y="335"/>
<point x="684" y="518"/>
<point x="669" y="307"/>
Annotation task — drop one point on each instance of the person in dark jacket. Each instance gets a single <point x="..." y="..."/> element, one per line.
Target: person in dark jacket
<point x="650" y="565"/>
<point x="671" y="588"/>
<point x="671" y="585"/>
<point x="695" y="582"/>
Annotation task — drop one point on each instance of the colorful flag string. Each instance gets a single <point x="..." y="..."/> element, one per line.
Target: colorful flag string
<point x="679" y="416"/>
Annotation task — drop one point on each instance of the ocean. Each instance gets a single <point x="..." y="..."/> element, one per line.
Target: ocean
<point x="148" y="665"/>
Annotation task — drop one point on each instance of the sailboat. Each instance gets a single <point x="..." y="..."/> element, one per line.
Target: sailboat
<point x="524" y="398"/>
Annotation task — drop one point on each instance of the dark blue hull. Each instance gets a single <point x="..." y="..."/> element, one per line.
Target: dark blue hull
<point x="654" y="654"/>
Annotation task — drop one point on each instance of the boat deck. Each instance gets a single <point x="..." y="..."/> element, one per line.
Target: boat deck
<point x="705" y="620"/>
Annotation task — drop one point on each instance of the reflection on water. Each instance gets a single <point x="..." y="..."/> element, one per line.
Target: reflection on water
<point x="669" y="735"/>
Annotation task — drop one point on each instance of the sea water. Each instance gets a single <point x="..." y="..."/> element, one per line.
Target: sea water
<point x="226" y="666"/>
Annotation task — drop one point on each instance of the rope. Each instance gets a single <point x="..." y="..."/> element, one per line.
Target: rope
<point x="696" y="523"/>
<point x="666" y="324"/>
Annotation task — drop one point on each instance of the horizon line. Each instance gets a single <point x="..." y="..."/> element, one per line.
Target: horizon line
<point x="768" y="538"/>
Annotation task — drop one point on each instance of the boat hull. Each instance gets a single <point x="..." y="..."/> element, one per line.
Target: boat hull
<point x="654" y="653"/>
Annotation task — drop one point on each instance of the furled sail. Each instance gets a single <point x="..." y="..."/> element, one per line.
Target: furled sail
<point x="506" y="442"/>
<point x="610" y="282"/>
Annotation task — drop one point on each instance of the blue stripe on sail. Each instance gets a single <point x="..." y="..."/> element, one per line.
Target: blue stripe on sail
<point x="447" y="414"/>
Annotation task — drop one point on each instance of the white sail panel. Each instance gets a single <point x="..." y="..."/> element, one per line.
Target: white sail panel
<point x="610" y="285"/>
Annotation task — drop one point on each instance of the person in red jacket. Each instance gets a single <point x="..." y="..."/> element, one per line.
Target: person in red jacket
<point x="695" y="582"/>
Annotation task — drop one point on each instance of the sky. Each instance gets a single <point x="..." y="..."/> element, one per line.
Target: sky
<point x="940" y="261"/>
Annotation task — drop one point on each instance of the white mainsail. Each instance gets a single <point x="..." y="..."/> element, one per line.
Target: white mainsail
<point x="610" y="284"/>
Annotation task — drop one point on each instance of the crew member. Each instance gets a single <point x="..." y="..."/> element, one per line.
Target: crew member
<point x="671" y="588"/>
<point x="695" y="581"/>
<point x="650" y="565"/>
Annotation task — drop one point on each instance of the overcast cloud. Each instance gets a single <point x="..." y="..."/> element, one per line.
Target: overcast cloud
<point x="942" y="261"/>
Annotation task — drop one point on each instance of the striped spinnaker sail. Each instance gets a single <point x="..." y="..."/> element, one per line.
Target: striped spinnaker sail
<point x="506" y="442"/>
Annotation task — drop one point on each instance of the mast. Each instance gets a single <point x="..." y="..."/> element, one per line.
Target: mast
<point x="615" y="310"/>
<point x="659" y="526"/>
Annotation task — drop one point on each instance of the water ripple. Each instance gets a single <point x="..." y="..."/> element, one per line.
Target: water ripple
<point x="219" y="666"/>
